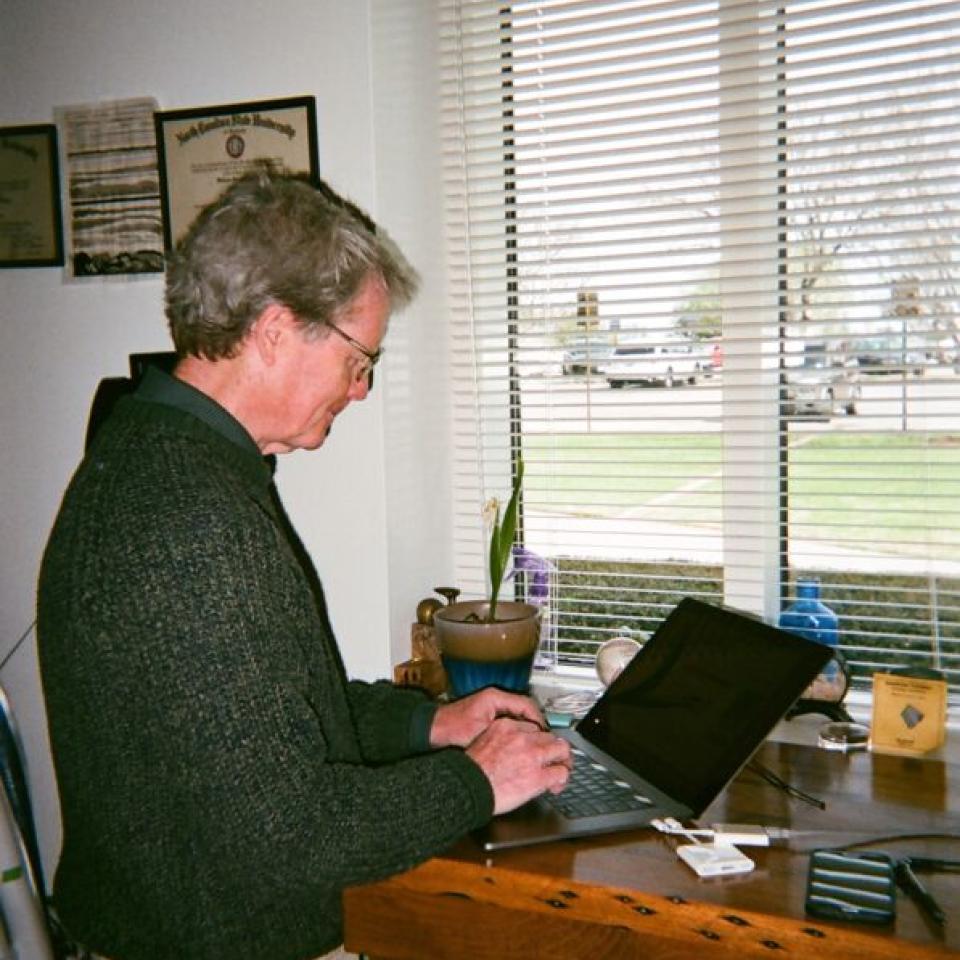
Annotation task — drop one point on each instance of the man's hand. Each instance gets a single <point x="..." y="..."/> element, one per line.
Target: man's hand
<point x="521" y="761"/>
<point x="459" y="723"/>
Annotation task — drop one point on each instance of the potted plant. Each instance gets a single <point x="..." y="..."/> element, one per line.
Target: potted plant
<point x="491" y="642"/>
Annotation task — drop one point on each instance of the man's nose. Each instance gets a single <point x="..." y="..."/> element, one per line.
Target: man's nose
<point x="359" y="389"/>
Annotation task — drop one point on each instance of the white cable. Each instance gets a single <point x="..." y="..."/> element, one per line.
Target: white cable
<point x="674" y="827"/>
<point x="730" y="834"/>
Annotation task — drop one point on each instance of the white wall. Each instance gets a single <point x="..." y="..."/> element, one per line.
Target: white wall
<point x="418" y="437"/>
<point x="372" y="505"/>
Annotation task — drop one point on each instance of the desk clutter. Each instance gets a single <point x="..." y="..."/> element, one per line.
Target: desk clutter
<point x="909" y="706"/>
<point x="459" y="647"/>
<point x="633" y="896"/>
<point x="861" y="886"/>
<point x="425" y="667"/>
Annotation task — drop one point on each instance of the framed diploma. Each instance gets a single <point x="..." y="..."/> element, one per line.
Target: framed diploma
<point x="203" y="150"/>
<point x="31" y="226"/>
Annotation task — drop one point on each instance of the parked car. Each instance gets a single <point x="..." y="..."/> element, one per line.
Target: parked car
<point x="820" y="388"/>
<point x="667" y="364"/>
<point x="585" y="355"/>
<point x="887" y="355"/>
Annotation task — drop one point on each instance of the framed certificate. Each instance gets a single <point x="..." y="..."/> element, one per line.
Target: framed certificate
<point x="31" y="226"/>
<point x="203" y="150"/>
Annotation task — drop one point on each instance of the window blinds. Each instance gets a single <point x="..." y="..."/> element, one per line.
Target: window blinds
<point x="705" y="281"/>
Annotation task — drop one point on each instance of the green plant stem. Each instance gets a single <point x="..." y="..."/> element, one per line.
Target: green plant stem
<point x="501" y="542"/>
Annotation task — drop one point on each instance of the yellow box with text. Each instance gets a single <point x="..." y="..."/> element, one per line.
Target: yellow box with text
<point x="909" y="713"/>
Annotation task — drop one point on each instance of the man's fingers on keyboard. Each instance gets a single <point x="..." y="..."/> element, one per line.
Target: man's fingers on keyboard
<point x="557" y="751"/>
<point x="560" y="774"/>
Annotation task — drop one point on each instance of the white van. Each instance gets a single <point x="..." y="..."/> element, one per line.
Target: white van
<point x="668" y="364"/>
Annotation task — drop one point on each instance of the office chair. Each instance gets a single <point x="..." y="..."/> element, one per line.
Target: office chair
<point x="22" y="891"/>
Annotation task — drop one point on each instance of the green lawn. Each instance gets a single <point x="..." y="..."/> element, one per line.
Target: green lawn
<point x="896" y="489"/>
<point x="609" y="473"/>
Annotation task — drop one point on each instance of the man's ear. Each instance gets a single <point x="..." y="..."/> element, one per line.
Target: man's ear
<point x="270" y="330"/>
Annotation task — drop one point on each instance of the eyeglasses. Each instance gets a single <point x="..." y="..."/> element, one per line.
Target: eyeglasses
<point x="372" y="357"/>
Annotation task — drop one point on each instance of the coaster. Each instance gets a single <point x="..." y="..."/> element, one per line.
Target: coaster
<point x="844" y="736"/>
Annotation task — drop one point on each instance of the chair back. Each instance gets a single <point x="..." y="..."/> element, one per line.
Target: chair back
<point x="26" y="920"/>
<point x="14" y="780"/>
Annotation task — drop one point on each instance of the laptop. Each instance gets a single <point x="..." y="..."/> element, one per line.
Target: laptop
<point x="674" y="728"/>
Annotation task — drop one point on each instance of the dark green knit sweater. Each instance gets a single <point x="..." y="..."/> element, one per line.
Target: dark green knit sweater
<point x="220" y="780"/>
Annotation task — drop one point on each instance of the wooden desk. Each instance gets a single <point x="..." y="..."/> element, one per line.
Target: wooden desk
<point x="628" y="896"/>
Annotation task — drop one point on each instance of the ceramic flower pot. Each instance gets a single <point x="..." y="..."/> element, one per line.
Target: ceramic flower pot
<point x="477" y="654"/>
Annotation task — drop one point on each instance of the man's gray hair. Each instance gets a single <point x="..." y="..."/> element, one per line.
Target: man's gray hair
<point x="274" y="238"/>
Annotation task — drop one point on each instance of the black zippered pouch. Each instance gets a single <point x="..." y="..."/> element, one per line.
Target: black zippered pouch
<point x="860" y="887"/>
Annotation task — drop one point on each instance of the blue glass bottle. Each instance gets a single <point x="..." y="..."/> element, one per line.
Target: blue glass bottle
<point x="810" y="617"/>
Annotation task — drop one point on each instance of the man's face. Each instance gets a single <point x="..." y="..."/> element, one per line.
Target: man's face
<point x="317" y="377"/>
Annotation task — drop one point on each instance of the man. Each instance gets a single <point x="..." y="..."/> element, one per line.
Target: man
<point x="220" y="779"/>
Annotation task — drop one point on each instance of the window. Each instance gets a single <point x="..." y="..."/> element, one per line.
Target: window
<point x="705" y="261"/>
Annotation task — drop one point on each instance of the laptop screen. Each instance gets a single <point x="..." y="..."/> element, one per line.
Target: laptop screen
<point x="699" y="698"/>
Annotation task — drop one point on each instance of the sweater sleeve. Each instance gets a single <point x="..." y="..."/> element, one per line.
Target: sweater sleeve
<point x="391" y="723"/>
<point x="332" y="790"/>
<point x="314" y="773"/>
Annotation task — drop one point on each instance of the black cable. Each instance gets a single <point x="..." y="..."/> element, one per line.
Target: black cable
<point x="776" y="781"/>
<point x="17" y="645"/>
<point x="895" y="838"/>
<point x="828" y="840"/>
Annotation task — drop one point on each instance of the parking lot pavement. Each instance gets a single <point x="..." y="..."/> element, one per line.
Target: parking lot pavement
<point x="588" y="405"/>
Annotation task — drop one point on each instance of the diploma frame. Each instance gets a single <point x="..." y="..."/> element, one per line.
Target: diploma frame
<point x="203" y="149"/>
<point x="31" y="221"/>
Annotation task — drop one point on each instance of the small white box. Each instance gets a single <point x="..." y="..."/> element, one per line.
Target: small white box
<point x="714" y="860"/>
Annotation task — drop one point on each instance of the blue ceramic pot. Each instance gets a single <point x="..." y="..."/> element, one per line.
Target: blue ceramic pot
<point x="477" y="654"/>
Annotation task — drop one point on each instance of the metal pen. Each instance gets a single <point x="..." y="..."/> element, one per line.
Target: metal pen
<point x="907" y="879"/>
<point x="930" y="863"/>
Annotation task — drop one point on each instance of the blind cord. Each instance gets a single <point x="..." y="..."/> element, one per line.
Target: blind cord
<point x="17" y="645"/>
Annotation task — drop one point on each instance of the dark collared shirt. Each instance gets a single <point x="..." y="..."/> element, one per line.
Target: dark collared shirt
<point x="160" y="387"/>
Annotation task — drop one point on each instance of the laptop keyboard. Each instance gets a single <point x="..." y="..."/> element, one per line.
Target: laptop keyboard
<point x="594" y="790"/>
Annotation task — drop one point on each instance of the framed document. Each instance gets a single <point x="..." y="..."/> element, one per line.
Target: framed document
<point x="31" y="226"/>
<point x="113" y="225"/>
<point x="203" y="150"/>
